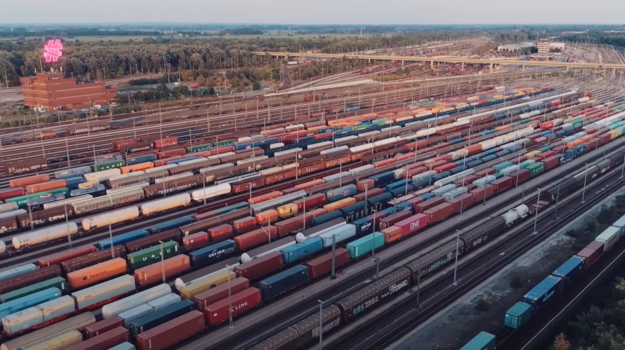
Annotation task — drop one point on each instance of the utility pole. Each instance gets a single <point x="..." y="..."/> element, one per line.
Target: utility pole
<point x="536" y="213"/>
<point x="320" y="324"/>
<point x="333" y="257"/>
<point x="111" y="242"/>
<point x="229" y="299"/>
<point x="584" y="189"/>
<point x="456" y="263"/>
<point x="162" y="262"/>
<point x="69" y="235"/>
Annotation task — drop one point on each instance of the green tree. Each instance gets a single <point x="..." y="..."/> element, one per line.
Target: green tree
<point x="256" y="86"/>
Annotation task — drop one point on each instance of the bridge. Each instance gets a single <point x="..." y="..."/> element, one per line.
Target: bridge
<point x="432" y="60"/>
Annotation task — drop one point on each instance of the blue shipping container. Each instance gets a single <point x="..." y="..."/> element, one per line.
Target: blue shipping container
<point x="161" y="316"/>
<point x="73" y="182"/>
<point x="378" y="202"/>
<point x="302" y="250"/>
<point x="121" y="239"/>
<point x="181" y="160"/>
<point x="365" y="245"/>
<point x="543" y="293"/>
<point x="383" y="179"/>
<point x="364" y="226"/>
<point x="325" y="218"/>
<point x="170" y="224"/>
<point x="213" y="253"/>
<point x="341" y="193"/>
<point x="283" y="282"/>
<point x="231" y="208"/>
<point x="19" y="304"/>
<point x="83" y="191"/>
<point x="354" y="211"/>
<point x="570" y="270"/>
<point x="141" y="159"/>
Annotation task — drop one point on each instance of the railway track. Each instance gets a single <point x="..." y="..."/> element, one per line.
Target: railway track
<point x="405" y="316"/>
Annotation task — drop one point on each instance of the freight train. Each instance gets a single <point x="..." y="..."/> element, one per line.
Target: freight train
<point x="551" y="288"/>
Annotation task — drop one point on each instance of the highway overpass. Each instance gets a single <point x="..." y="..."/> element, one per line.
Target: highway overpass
<point x="432" y="60"/>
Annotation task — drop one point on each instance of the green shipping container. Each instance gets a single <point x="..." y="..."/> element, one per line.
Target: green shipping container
<point x="536" y="168"/>
<point x="152" y="255"/>
<point x="482" y="341"/>
<point x="22" y="201"/>
<point x="517" y="315"/>
<point x="57" y="282"/>
<point x="365" y="245"/>
<point x="199" y="148"/>
<point x="498" y="175"/>
<point x="110" y="165"/>
<point x="225" y="143"/>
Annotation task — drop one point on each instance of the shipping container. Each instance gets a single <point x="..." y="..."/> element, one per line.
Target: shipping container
<point x="59" y="342"/>
<point x="241" y="302"/>
<point x="56" y="282"/>
<point x="260" y="267"/>
<point x="195" y="241"/>
<point x="482" y="341"/>
<point x="29" y="278"/>
<point x="205" y="283"/>
<point x="97" y="273"/>
<point x="213" y="253"/>
<point x="518" y="315"/>
<point x="153" y="274"/>
<point x="93" y="296"/>
<point x="104" y="341"/>
<point x="119" y="306"/>
<point x="171" y="332"/>
<point x="152" y="255"/>
<point x="365" y="245"/>
<point x="97" y="257"/>
<point x="543" y="293"/>
<point x="41" y="335"/>
<point x="159" y="317"/>
<point x="218" y="293"/>
<point x="103" y="326"/>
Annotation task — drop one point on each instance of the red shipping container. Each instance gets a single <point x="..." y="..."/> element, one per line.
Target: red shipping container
<point x="484" y="173"/>
<point x="220" y="292"/>
<point x="290" y="190"/>
<point x="461" y="203"/>
<point x="168" y="141"/>
<point x="311" y="202"/>
<point x="310" y="184"/>
<point x="104" y="341"/>
<point x="546" y="155"/>
<point x="244" y="225"/>
<point x="433" y="165"/>
<point x="417" y="145"/>
<point x="365" y="185"/>
<point x="241" y="302"/>
<point x="465" y="180"/>
<point x="323" y="264"/>
<point x="551" y="163"/>
<point x="369" y="194"/>
<point x="119" y="144"/>
<point x="103" y="326"/>
<point x="502" y="184"/>
<point x="164" y="161"/>
<point x="264" y="197"/>
<point x="171" y="332"/>
<point x="195" y="241"/>
<point x="519" y="176"/>
<point x="171" y="153"/>
<point x="591" y="253"/>
<point x="11" y="193"/>
<point x="412" y="224"/>
<point x="443" y="168"/>
<point x="296" y="223"/>
<point x="260" y="267"/>
<point x="393" y="218"/>
<point x="416" y="171"/>
<point x="480" y="192"/>
<point x="58" y="258"/>
<point x="430" y="203"/>
<point x="220" y="233"/>
<point x="376" y="217"/>
<point x="439" y="213"/>
<point x="414" y="201"/>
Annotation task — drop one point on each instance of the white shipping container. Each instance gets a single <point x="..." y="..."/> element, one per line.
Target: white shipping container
<point x="341" y="233"/>
<point x="173" y="177"/>
<point x="164" y="301"/>
<point x="361" y="148"/>
<point x="334" y="150"/>
<point x="110" y="218"/>
<point x="319" y="145"/>
<point x="121" y="176"/>
<point x="67" y="201"/>
<point x="17" y="271"/>
<point x="60" y="342"/>
<point x="608" y="237"/>
<point x="7" y="207"/>
<point x="135" y="313"/>
<point x="56" y="308"/>
<point x="344" y="139"/>
<point x="22" y="320"/>
<point x="220" y="166"/>
<point x="104" y="291"/>
<point x="251" y="160"/>
<point x="361" y="169"/>
<point x="369" y="133"/>
<point x="287" y="152"/>
<point x="41" y="336"/>
<point x="276" y="145"/>
<point x="271" y="171"/>
<point x="272" y="131"/>
<point x="211" y="192"/>
<point x="123" y="346"/>
<point x="119" y="306"/>
<point x="175" y="201"/>
<point x="385" y="142"/>
<point x="100" y="176"/>
<point x="192" y="161"/>
<point x="44" y="235"/>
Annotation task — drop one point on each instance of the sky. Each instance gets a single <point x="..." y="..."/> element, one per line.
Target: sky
<point x="315" y="11"/>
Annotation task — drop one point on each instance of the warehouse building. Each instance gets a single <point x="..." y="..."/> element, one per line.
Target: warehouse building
<point x="55" y="91"/>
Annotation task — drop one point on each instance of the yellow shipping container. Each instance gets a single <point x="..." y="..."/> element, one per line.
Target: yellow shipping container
<point x="86" y="185"/>
<point x="193" y="289"/>
<point x="339" y="204"/>
<point x="532" y="154"/>
<point x="615" y="133"/>
<point x="287" y="211"/>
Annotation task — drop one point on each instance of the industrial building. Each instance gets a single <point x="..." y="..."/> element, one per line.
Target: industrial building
<point x="544" y="46"/>
<point x="54" y="91"/>
<point x="515" y="47"/>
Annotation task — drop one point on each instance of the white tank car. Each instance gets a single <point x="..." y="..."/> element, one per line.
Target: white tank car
<point x="44" y="235"/>
<point x="110" y="218"/>
<point x="179" y="200"/>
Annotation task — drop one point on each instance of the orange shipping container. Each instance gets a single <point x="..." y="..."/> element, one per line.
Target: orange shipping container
<point x="220" y="233"/>
<point x="153" y="274"/>
<point x="309" y="184"/>
<point x="136" y="167"/>
<point x="339" y="204"/>
<point x="97" y="273"/>
<point x="256" y="238"/>
<point x="392" y="234"/>
<point x="45" y="186"/>
<point x="31" y="180"/>
<point x="264" y="197"/>
<point x="267" y="217"/>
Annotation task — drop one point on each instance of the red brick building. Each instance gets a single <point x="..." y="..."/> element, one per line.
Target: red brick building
<point x="53" y="90"/>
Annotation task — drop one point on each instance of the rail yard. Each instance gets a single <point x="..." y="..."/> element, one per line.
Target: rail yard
<point x="286" y="221"/>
